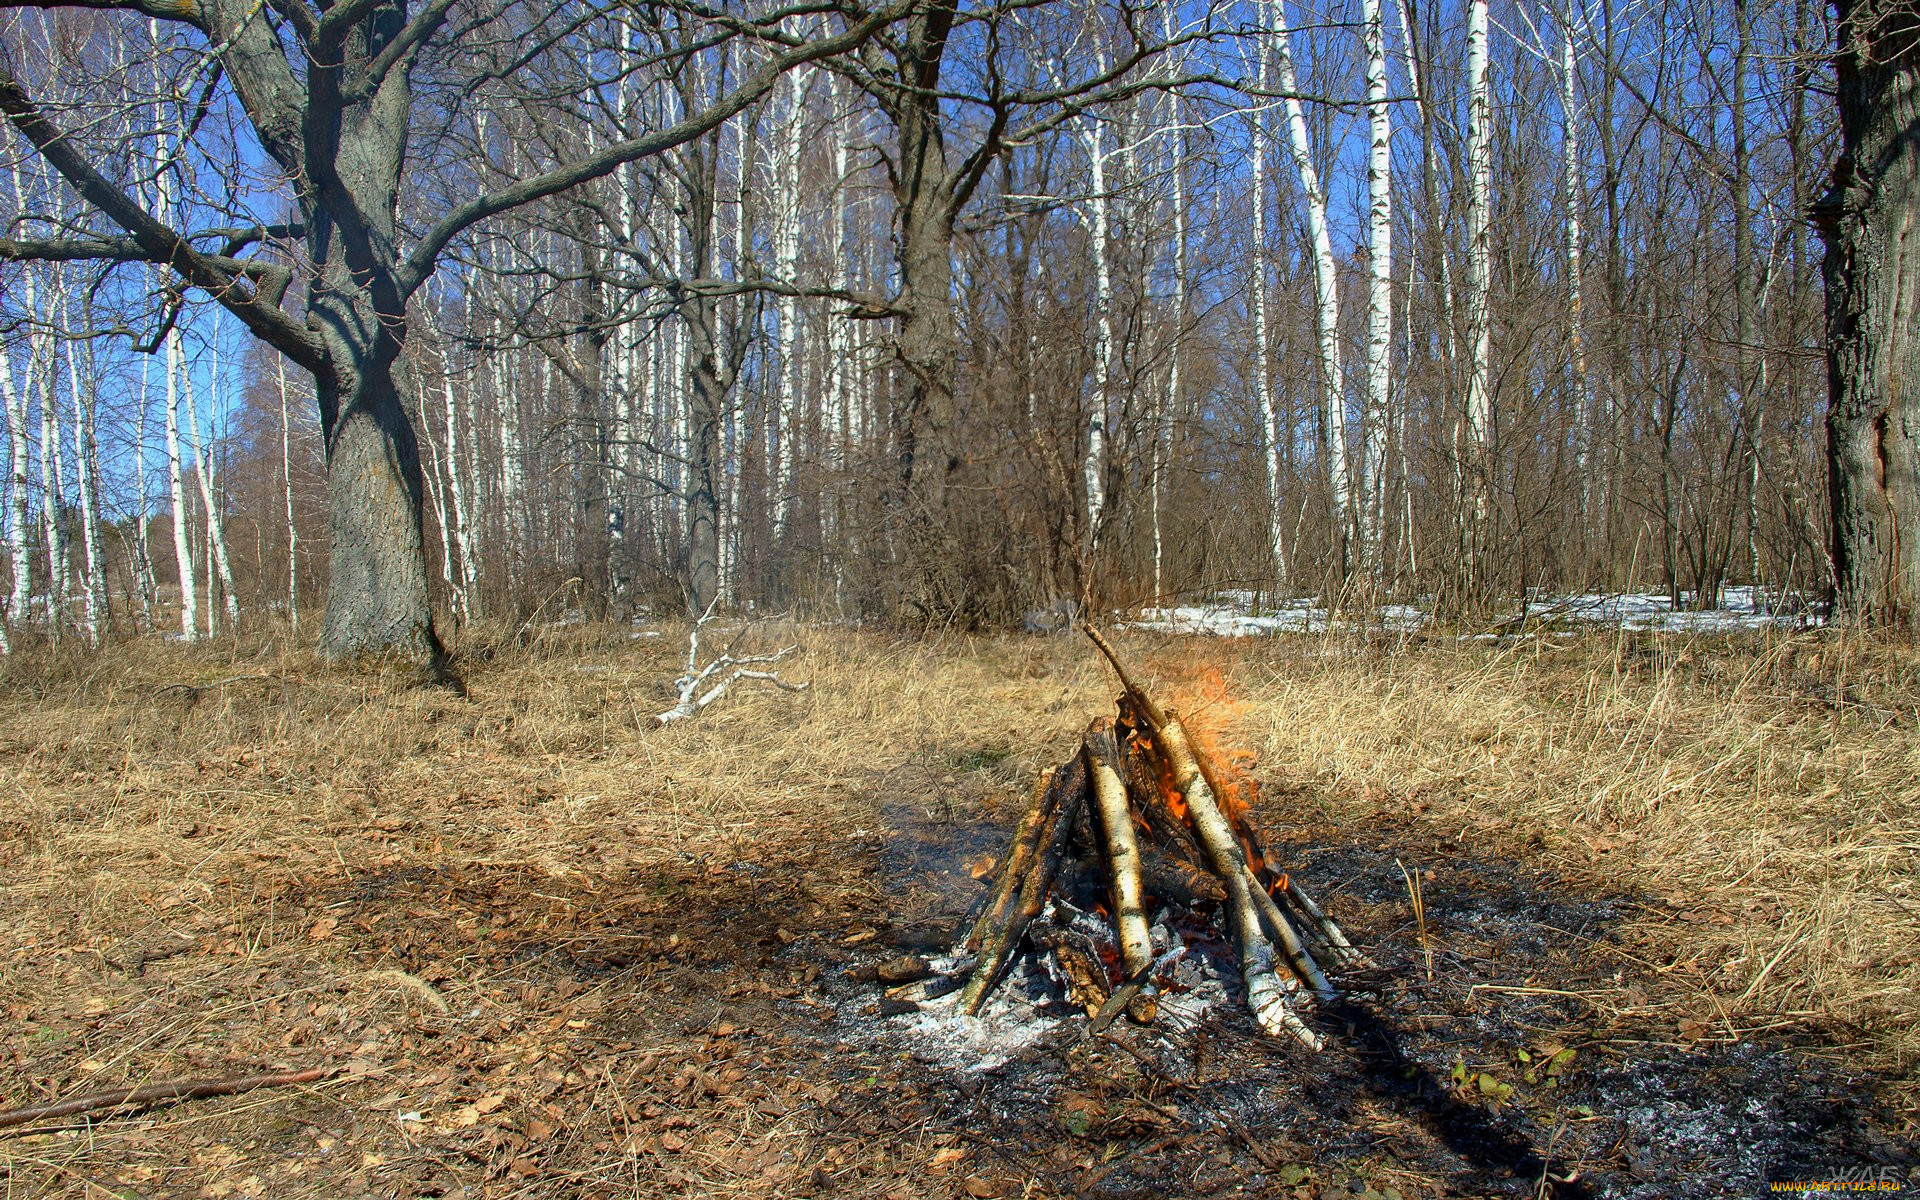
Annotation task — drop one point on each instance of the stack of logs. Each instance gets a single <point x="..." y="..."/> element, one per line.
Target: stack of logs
<point x="1142" y="808"/>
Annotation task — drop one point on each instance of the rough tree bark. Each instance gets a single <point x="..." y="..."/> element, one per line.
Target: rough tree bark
<point x="1872" y="272"/>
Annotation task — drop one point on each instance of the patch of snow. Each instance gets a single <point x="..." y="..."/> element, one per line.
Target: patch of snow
<point x="1239" y="613"/>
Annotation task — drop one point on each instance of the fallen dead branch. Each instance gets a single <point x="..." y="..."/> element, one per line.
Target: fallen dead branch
<point x="155" y="1093"/>
<point x="700" y="686"/>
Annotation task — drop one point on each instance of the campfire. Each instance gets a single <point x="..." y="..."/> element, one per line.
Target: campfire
<point x="1131" y="851"/>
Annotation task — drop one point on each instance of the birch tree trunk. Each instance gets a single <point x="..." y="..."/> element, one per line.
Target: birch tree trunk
<point x="1746" y="335"/>
<point x="1480" y="431"/>
<point x="462" y="520"/>
<point x="53" y="492"/>
<point x="1093" y="467"/>
<point x="146" y="590"/>
<point x="1170" y="404"/>
<point x="204" y="468"/>
<point x="1273" y="433"/>
<point x="1587" y="424"/>
<point x="1326" y="291"/>
<point x="1373" y="456"/>
<point x="286" y="476"/>
<point x="19" y="496"/>
<point x="86" y="451"/>
<point x="789" y="403"/>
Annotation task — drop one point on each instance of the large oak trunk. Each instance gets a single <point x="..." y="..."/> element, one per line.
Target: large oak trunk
<point x="1872" y="273"/>
<point x="935" y="581"/>
<point x="378" y="598"/>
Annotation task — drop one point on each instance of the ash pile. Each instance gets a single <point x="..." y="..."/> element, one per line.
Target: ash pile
<point x="1136" y="886"/>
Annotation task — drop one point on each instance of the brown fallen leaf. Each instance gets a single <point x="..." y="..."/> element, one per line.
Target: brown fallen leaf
<point x="981" y="1187"/>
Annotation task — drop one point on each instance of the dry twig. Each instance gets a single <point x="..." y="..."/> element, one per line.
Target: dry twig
<point x="154" y="1093"/>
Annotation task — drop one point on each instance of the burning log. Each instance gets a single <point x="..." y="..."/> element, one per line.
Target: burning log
<point x="1060" y="802"/>
<point x="1271" y="997"/>
<point x="1137" y="823"/>
<point x="1123" y="852"/>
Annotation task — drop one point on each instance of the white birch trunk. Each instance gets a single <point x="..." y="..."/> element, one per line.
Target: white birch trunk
<point x="1326" y="284"/>
<point x="19" y="498"/>
<point x="436" y="474"/>
<point x="87" y="480"/>
<point x="53" y="482"/>
<point x="1094" y="467"/>
<point x="177" y="493"/>
<point x="145" y="589"/>
<point x="459" y="517"/>
<point x="205" y="468"/>
<point x="787" y="406"/>
<point x="1479" y="194"/>
<point x="1576" y="349"/>
<point x="511" y="483"/>
<point x="1170" y="404"/>
<point x="286" y="477"/>
<point x="1273" y="432"/>
<point x="1372" y="480"/>
<point x="838" y="427"/>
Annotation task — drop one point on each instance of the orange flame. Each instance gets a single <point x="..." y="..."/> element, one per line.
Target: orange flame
<point x="1208" y="709"/>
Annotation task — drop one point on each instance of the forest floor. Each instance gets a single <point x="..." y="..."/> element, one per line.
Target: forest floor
<point x="1670" y="897"/>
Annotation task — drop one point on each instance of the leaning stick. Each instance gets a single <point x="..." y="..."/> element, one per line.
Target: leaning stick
<point x="1339" y="949"/>
<point x="1006" y="883"/>
<point x="1064" y="796"/>
<point x="154" y="1093"/>
<point x="1123" y="854"/>
<point x="1290" y="941"/>
<point x="1268" y="995"/>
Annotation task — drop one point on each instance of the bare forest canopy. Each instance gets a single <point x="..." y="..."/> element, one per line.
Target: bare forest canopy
<point x="931" y="312"/>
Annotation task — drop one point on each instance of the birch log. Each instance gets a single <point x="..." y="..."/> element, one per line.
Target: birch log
<point x="1270" y="996"/>
<point x="1068" y="789"/>
<point x="1122" y="848"/>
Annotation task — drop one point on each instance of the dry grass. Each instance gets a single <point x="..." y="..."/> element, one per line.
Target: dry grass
<point x="279" y="863"/>
<point x="1762" y="799"/>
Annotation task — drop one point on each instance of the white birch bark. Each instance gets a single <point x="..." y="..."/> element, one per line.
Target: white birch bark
<point x="19" y="498"/>
<point x="286" y="478"/>
<point x="219" y="569"/>
<point x="1326" y="281"/>
<point x="1571" y="201"/>
<point x="1093" y="468"/>
<point x="838" y="422"/>
<point x="177" y="493"/>
<point x="512" y="502"/>
<point x="788" y="403"/>
<point x="1273" y="432"/>
<point x="145" y="589"/>
<point x="53" y="478"/>
<point x="1170" y="403"/>
<point x="1372" y="479"/>
<point x="457" y="489"/>
<point x="436" y="474"/>
<point x="1479" y="193"/>
<point x="86" y="452"/>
